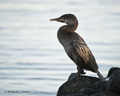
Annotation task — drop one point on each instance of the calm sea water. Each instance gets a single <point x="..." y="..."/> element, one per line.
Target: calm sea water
<point x="32" y="59"/>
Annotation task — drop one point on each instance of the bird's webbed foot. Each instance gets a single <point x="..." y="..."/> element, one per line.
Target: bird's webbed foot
<point x="80" y="71"/>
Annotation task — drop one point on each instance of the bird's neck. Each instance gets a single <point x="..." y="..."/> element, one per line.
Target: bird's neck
<point x="68" y="28"/>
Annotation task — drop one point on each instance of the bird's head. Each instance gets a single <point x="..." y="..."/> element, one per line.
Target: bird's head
<point x="69" y="19"/>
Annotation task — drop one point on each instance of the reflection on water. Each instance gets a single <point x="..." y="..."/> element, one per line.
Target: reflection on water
<point x="31" y="58"/>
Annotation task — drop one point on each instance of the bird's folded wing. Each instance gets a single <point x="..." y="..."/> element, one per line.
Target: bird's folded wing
<point x="82" y="51"/>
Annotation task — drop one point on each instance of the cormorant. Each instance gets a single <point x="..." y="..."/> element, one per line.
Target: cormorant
<point x="75" y="46"/>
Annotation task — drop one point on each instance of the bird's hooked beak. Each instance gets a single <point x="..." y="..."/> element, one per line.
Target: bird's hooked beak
<point x="58" y="19"/>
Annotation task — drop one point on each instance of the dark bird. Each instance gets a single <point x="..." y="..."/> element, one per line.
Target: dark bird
<point x="75" y="46"/>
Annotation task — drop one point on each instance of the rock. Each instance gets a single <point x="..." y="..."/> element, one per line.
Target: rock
<point x="91" y="86"/>
<point x="73" y="85"/>
<point x="72" y="76"/>
<point x="112" y="70"/>
<point x="105" y="93"/>
<point x="76" y="95"/>
<point x="100" y="85"/>
<point x="88" y="91"/>
<point x="113" y="83"/>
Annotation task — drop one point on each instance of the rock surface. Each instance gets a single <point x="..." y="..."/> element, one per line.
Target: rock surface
<point x="113" y="84"/>
<point x="91" y="86"/>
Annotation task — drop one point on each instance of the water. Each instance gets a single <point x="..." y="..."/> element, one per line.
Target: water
<point x="31" y="58"/>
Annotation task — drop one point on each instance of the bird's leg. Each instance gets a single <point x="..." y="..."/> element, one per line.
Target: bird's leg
<point x="80" y="71"/>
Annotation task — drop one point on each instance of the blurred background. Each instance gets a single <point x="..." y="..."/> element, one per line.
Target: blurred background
<point x="32" y="59"/>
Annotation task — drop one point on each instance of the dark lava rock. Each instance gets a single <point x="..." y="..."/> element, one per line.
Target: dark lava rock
<point x="88" y="91"/>
<point x="76" y="95"/>
<point x="112" y="70"/>
<point x="100" y="85"/>
<point x="105" y="93"/>
<point x="113" y="83"/>
<point x="91" y="86"/>
<point x="73" y="85"/>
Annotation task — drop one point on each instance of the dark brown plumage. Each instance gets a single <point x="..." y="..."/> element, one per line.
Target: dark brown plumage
<point x="75" y="46"/>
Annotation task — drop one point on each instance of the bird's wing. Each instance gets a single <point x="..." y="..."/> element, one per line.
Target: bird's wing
<point x="82" y="50"/>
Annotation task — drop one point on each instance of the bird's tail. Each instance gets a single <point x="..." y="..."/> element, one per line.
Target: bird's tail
<point x="100" y="76"/>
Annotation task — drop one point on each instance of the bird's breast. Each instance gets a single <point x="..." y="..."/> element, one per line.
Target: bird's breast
<point x="71" y="53"/>
<point x="63" y="39"/>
